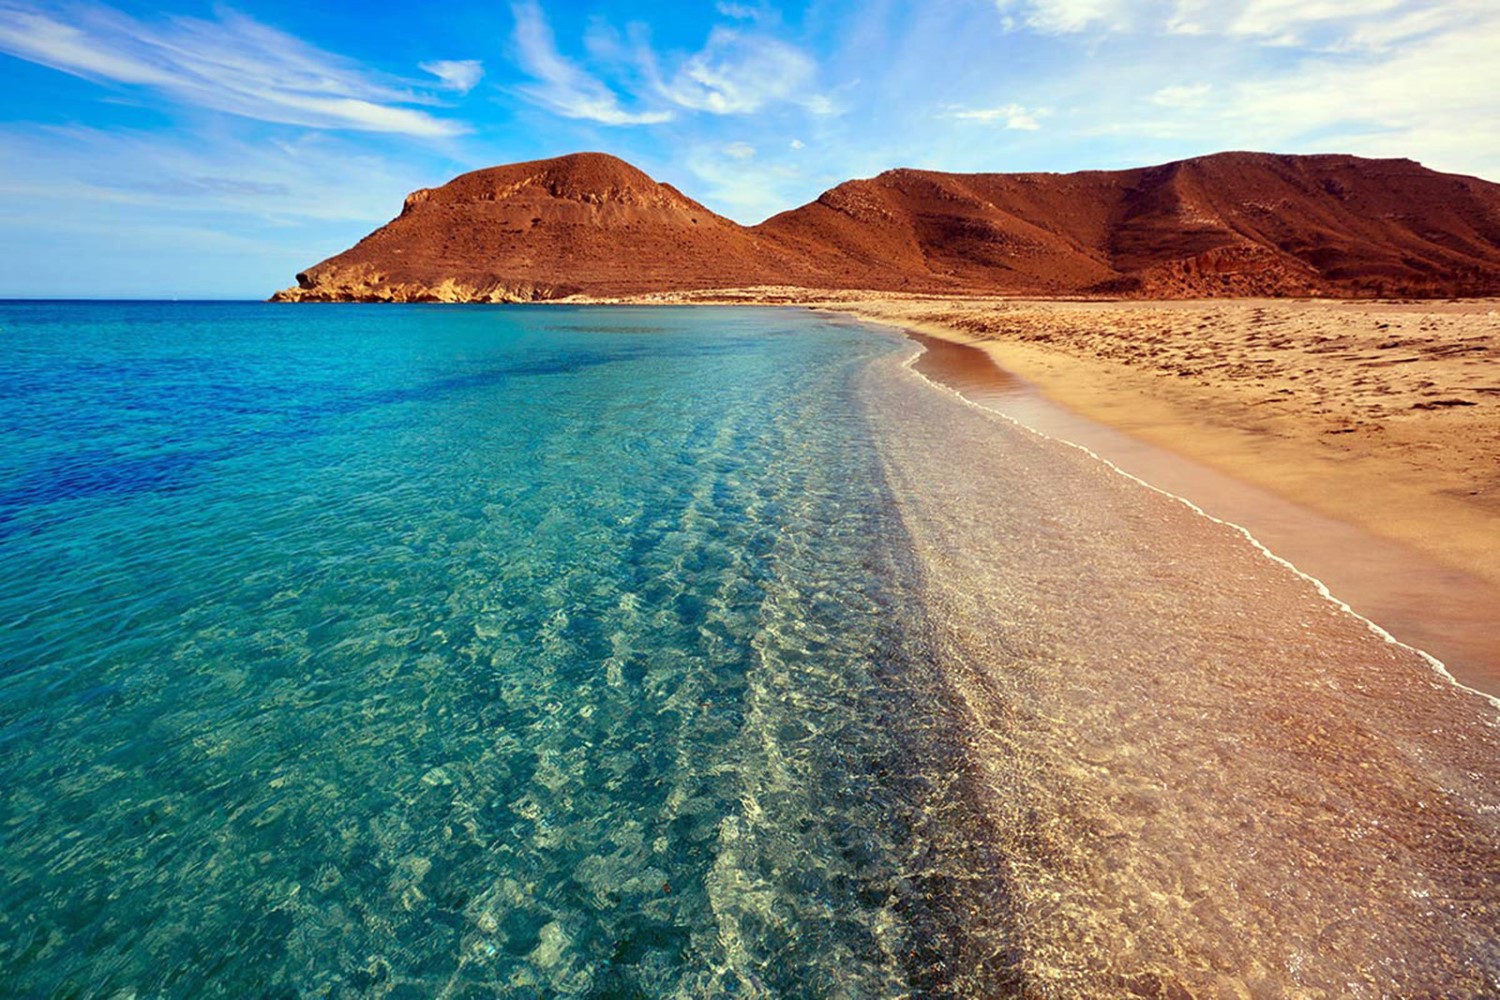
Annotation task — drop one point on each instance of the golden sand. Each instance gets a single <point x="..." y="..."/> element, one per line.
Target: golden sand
<point x="1382" y="414"/>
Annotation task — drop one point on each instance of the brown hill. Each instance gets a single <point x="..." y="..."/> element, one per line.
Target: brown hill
<point x="1228" y="224"/>
<point x="545" y="229"/>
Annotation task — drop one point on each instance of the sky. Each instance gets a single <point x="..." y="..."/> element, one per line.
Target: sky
<point x="212" y="151"/>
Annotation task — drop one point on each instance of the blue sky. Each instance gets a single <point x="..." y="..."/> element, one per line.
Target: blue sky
<point x="203" y="150"/>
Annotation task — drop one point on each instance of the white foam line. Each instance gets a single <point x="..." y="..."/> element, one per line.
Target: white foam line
<point x="1322" y="588"/>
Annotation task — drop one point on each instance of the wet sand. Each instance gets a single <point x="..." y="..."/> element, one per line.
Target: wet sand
<point x="1201" y="777"/>
<point x="1359" y="440"/>
<point x="1446" y="612"/>
<point x="1385" y="415"/>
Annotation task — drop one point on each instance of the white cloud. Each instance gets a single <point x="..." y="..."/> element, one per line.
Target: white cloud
<point x="180" y="174"/>
<point x="737" y="73"/>
<point x="1333" y="24"/>
<point x="233" y="64"/>
<point x="798" y="144"/>
<point x="1286" y="19"/>
<point x="1368" y="96"/>
<point x="738" y="11"/>
<point x="1011" y="116"/>
<point x="564" y="87"/>
<point x="747" y="190"/>
<point x="1187" y="95"/>
<point x="1184" y="18"/>
<point x="462" y="75"/>
<point x="1401" y="29"/>
<point x="1438" y="90"/>
<point x="739" y="150"/>
<point x="1058" y="17"/>
<point x="1337" y="25"/>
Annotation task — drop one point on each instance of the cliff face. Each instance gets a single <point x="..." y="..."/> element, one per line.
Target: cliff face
<point x="1228" y="224"/>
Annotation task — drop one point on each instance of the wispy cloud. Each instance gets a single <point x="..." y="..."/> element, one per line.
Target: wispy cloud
<point x="740" y="73"/>
<point x="1182" y="95"/>
<point x="1011" y="116"/>
<point x="1285" y="20"/>
<point x="745" y="188"/>
<point x="736" y="72"/>
<point x="739" y="11"/>
<point x="278" y="181"/>
<point x="1409" y="98"/>
<point x="1060" y="17"/>
<point x="1360" y="89"/>
<point x="739" y="150"/>
<point x="562" y="85"/>
<point x="1329" y="23"/>
<point x="462" y="75"/>
<point x="233" y="64"/>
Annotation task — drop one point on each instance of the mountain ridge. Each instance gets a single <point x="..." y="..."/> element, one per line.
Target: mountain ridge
<point x="1226" y="224"/>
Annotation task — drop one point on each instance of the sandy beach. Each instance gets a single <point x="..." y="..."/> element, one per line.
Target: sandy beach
<point x="1387" y="415"/>
<point x="1372" y="428"/>
<point x="1202" y="778"/>
<point x="1384" y="414"/>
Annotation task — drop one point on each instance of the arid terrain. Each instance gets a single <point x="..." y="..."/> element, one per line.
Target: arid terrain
<point x="1231" y="224"/>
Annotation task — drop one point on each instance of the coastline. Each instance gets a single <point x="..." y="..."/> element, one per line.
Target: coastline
<point x="1427" y="478"/>
<point x="1334" y="432"/>
<point x="1198" y="765"/>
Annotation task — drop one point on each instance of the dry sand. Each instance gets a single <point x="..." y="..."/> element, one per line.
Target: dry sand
<point x="1382" y="414"/>
<point x="1385" y="415"/>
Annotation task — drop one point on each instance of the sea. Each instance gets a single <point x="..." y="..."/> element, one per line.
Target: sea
<point x="471" y="651"/>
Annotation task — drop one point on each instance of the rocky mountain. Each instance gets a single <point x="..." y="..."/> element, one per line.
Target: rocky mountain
<point x="1230" y="224"/>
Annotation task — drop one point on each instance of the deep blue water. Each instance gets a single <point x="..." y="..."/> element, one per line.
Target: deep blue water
<point x="418" y="651"/>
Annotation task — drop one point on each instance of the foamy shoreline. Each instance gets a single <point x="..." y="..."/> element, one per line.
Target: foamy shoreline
<point x="1322" y="588"/>
<point x="1371" y="414"/>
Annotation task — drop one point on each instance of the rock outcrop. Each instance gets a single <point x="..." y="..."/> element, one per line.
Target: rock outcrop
<point x="1231" y="224"/>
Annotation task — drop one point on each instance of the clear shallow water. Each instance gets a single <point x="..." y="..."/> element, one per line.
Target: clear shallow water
<point x="1202" y="778"/>
<point x="421" y="651"/>
<point x="439" y="651"/>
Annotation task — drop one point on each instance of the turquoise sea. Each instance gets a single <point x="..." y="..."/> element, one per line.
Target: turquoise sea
<point x="441" y="651"/>
<point x="434" y="651"/>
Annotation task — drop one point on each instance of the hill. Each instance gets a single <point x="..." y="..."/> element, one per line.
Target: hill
<point x="1230" y="224"/>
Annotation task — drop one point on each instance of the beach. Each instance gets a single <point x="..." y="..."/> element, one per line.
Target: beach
<point x="786" y="670"/>
<point x="1384" y="414"/>
<point x="1202" y="777"/>
<point x="1359" y="440"/>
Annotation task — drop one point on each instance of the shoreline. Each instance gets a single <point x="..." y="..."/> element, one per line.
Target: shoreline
<point x="1199" y="764"/>
<point x="1354" y="484"/>
<point x="1406" y="593"/>
<point x="913" y="365"/>
<point x="1374" y="475"/>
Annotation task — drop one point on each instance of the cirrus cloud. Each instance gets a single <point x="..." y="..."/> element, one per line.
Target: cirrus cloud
<point x="562" y="86"/>
<point x="739" y="73"/>
<point x="462" y="75"/>
<point x="1011" y="116"/>
<point x="233" y="64"/>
